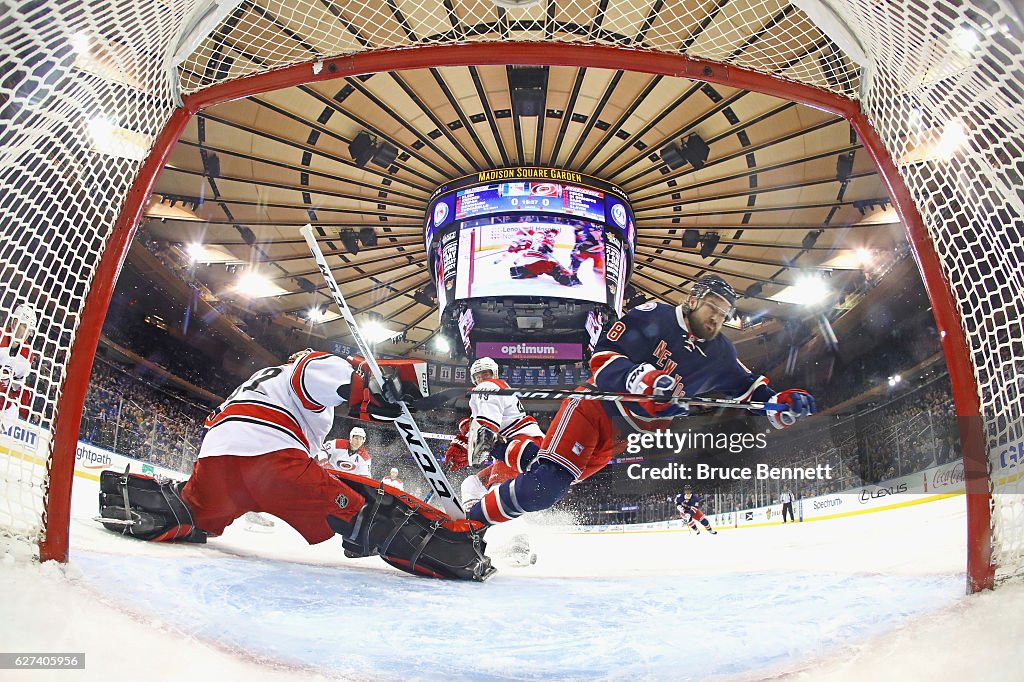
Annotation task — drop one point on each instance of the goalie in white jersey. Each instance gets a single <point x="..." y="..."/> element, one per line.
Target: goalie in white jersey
<point x="498" y="427"/>
<point x="259" y="454"/>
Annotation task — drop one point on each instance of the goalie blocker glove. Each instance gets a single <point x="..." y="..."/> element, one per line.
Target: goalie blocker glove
<point x="404" y="381"/>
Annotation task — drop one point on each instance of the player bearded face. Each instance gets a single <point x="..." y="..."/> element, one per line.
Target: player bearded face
<point x="707" y="318"/>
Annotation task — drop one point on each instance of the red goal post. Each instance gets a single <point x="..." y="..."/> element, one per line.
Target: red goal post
<point x="965" y="360"/>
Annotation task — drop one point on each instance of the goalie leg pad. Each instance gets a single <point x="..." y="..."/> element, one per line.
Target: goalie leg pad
<point x="411" y="535"/>
<point x="145" y="508"/>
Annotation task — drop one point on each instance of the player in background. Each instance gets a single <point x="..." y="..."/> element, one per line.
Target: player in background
<point x="348" y="454"/>
<point x="16" y="358"/>
<point x="589" y="246"/>
<point x="259" y="454"/>
<point x="498" y="427"/>
<point x="539" y="259"/>
<point x="654" y="350"/>
<point x="393" y="480"/>
<point x="688" y="506"/>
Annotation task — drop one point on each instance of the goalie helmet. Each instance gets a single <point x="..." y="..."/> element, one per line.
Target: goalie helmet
<point x="295" y="357"/>
<point x="713" y="284"/>
<point x="23" y="322"/>
<point x="480" y="366"/>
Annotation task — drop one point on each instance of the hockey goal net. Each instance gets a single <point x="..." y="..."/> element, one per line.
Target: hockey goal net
<point x="91" y="101"/>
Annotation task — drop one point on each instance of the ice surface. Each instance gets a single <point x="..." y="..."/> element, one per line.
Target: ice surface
<point x="878" y="596"/>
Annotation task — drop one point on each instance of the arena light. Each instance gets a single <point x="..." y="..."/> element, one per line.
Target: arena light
<point x="806" y="290"/>
<point x="317" y="315"/>
<point x="207" y="254"/>
<point x="966" y="39"/>
<point x="254" y="285"/>
<point x="111" y="139"/>
<point x="441" y="344"/>
<point x="375" y="332"/>
<point x="936" y="144"/>
<point x="851" y="259"/>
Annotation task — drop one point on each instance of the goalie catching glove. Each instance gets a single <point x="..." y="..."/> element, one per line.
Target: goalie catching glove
<point x="404" y="381"/>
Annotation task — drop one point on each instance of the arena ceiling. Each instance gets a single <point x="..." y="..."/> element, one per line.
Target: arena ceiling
<point x="787" y="188"/>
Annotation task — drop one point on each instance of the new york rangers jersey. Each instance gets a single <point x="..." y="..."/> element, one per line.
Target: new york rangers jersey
<point x="340" y="456"/>
<point x="287" y="406"/>
<point x="685" y="503"/>
<point x="658" y="334"/>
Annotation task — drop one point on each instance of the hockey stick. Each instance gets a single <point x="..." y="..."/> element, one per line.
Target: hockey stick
<point x="611" y="396"/>
<point x="407" y="428"/>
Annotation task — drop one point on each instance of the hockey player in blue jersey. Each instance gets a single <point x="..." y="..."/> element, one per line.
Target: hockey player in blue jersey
<point x="688" y="506"/>
<point x="656" y="350"/>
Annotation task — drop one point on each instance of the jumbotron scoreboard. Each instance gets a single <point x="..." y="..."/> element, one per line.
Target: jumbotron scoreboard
<point x="506" y="243"/>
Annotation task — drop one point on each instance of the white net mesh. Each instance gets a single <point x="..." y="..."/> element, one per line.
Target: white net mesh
<point x="941" y="83"/>
<point x="82" y="96"/>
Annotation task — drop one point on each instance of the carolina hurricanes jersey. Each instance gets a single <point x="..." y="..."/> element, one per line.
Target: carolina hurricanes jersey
<point x="393" y="482"/>
<point x="341" y="457"/>
<point x="542" y="248"/>
<point x="15" y="365"/>
<point x="522" y="241"/>
<point x="658" y="334"/>
<point x="504" y="415"/>
<point x="287" y="406"/>
<point x="15" y="358"/>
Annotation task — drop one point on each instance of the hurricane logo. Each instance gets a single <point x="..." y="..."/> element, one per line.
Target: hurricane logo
<point x="619" y="215"/>
<point x="545" y="189"/>
<point x="440" y="213"/>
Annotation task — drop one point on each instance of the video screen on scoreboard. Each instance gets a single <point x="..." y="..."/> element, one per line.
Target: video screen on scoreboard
<point x="532" y="255"/>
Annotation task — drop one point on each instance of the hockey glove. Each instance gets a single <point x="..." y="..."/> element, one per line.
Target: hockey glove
<point x="368" y="400"/>
<point x="456" y="456"/>
<point x="800" y="404"/>
<point x="646" y="379"/>
<point x="481" y="440"/>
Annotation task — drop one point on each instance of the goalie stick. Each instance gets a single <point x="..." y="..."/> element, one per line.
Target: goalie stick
<point x="407" y="428"/>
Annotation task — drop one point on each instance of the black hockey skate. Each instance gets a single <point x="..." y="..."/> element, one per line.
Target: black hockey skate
<point x="411" y="535"/>
<point x="146" y="508"/>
